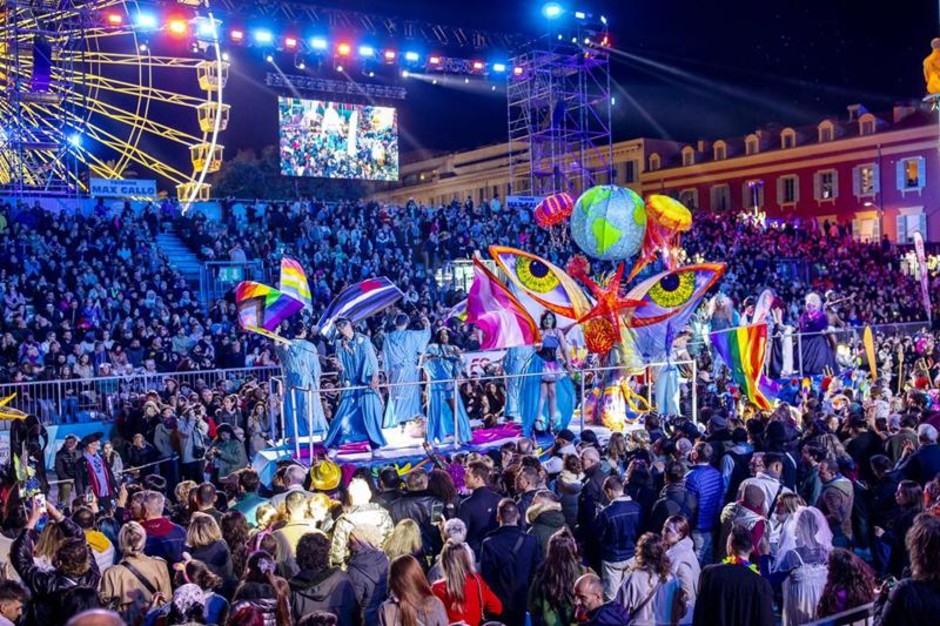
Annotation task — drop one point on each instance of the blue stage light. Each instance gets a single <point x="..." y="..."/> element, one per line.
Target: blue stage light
<point x="263" y="36"/>
<point x="499" y="67"/>
<point x="319" y="43"/>
<point x="146" y="21"/>
<point x="75" y="140"/>
<point x="412" y="56"/>
<point x="366" y="51"/>
<point x="552" y="10"/>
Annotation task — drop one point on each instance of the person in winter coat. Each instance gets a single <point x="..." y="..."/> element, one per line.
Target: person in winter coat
<point x="418" y="504"/>
<point x="319" y="587"/>
<point x="100" y="545"/>
<point x="617" y="527"/>
<point x="507" y="561"/>
<point x="411" y="600"/>
<point x="675" y="498"/>
<point x="123" y="585"/>
<point x="590" y="501"/>
<point x="590" y="607"/>
<point x="568" y="487"/>
<point x="289" y="535"/>
<point x="466" y="596"/>
<point x="478" y="510"/>
<point x="75" y="567"/>
<point x="66" y="463"/>
<point x="551" y="599"/>
<point x="204" y="543"/>
<point x="747" y="512"/>
<point x="164" y="538"/>
<point x="683" y="564"/>
<point x="835" y="502"/>
<point x="368" y="571"/>
<point x="227" y="451"/>
<point x="915" y="600"/>
<point x="544" y="517"/>
<point x="649" y="589"/>
<point x="262" y="589"/>
<point x="360" y="511"/>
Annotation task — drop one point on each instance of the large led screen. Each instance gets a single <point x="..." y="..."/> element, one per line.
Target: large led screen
<point x="326" y="139"/>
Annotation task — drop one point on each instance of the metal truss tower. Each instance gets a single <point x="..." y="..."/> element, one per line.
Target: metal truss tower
<point x="36" y="154"/>
<point x="559" y="116"/>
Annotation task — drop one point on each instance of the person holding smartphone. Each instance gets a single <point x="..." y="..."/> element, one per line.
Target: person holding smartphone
<point x="94" y="479"/>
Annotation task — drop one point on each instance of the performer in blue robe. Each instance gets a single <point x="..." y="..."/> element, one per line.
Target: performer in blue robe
<point x="443" y="362"/>
<point x="300" y="363"/>
<point x="548" y="395"/>
<point x="359" y="414"/>
<point x="400" y="355"/>
<point x="513" y="364"/>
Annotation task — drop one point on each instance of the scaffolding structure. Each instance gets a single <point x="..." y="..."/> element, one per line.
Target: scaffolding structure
<point x="558" y="105"/>
<point x="37" y="152"/>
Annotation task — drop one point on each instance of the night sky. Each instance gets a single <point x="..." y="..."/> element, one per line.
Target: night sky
<point x="715" y="68"/>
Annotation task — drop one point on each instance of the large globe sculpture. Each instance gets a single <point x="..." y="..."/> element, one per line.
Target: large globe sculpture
<point x="609" y="222"/>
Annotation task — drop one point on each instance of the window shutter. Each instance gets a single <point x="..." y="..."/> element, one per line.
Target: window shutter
<point x="921" y="173"/>
<point x="796" y="189"/>
<point x="857" y="180"/>
<point x="902" y="229"/>
<point x="817" y="186"/>
<point x="835" y="184"/>
<point x="781" y="190"/>
<point x="745" y="196"/>
<point x="922" y="224"/>
<point x="900" y="175"/>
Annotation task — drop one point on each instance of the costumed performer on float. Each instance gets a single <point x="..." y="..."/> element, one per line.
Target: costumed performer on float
<point x="818" y="354"/>
<point x="443" y="362"/>
<point x="723" y="318"/>
<point x="548" y="395"/>
<point x="401" y="353"/>
<point x="300" y="362"/>
<point x="359" y="414"/>
<point x="513" y="365"/>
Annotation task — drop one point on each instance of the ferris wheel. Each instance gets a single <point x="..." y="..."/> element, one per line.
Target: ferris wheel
<point x="110" y="89"/>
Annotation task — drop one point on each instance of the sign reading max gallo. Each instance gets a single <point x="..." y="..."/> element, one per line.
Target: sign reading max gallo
<point x="129" y="188"/>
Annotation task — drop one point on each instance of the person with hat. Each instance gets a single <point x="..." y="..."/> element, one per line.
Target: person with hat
<point x="359" y="414"/>
<point x="300" y="362"/>
<point x="66" y="461"/>
<point x="93" y="475"/>
<point x="325" y="476"/>
<point x="227" y="452"/>
<point x="401" y="353"/>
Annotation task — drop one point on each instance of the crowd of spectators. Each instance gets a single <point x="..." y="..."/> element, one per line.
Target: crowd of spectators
<point x="800" y="513"/>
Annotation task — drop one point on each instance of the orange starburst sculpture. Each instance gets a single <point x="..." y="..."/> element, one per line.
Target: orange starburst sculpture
<point x="609" y="306"/>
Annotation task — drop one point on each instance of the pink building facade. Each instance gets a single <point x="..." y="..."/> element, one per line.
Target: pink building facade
<point x="878" y="172"/>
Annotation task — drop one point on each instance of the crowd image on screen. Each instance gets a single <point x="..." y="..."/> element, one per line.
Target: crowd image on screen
<point x="336" y="140"/>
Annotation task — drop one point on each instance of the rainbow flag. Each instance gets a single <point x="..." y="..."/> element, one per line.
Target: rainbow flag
<point x="359" y="301"/>
<point x="742" y="350"/>
<point x="264" y="307"/>
<point x="294" y="282"/>
<point x="493" y="309"/>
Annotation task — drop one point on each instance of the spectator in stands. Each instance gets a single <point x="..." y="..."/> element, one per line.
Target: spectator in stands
<point x="411" y="600"/>
<point x="915" y="600"/>
<point x="130" y="586"/>
<point x="465" y="594"/>
<point x="368" y="571"/>
<point x="590" y="606"/>
<point x="508" y="558"/>
<point x="478" y="510"/>
<point x="618" y="527"/>
<point x="164" y="538"/>
<point x="850" y="584"/>
<point x="319" y="587"/>
<point x="706" y="483"/>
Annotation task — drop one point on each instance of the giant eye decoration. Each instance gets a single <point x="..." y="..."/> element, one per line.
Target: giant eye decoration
<point x="670" y="293"/>
<point x="543" y="281"/>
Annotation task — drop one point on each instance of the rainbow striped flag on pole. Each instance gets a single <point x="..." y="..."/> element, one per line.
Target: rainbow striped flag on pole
<point x="742" y="350"/>
<point x="294" y="282"/>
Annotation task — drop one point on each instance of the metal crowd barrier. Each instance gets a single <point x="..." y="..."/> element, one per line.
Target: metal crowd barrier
<point x="859" y="616"/>
<point x="81" y="400"/>
<point x="279" y="389"/>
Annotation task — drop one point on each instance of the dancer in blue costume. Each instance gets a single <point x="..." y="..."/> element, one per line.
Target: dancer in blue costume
<point x="548" y="396"/>
<point x="443" y="362"/>
<point x="359" y="414"/>
<point x="300" y="363"/>
<point x="400" y="353"/>
<point x="513" y="364"/>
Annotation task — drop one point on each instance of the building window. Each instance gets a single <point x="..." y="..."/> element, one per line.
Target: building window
<point x="788" y="189"/>
<point x="788" y="139"/>
<point x="630" y="173"/>
<point x="720" y="151"/>
<point x="867" y="127"/>
<point x="751" y="145"/>
<point x="689" y="197"/>
<point x="826" y="132"/>
<point x="865" y="180"/>
<point x="655" y="162"/>
<point x="753" y="194"/>
<point x="826" y="185"/>
<point x="911" y="174"/>
<point x="909" y="222"/>
<point x="688" y="157"/>
<point x="720" y="198"/>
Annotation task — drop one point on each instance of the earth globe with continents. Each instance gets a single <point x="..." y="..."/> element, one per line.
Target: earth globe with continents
<point x="609" y="222"/>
